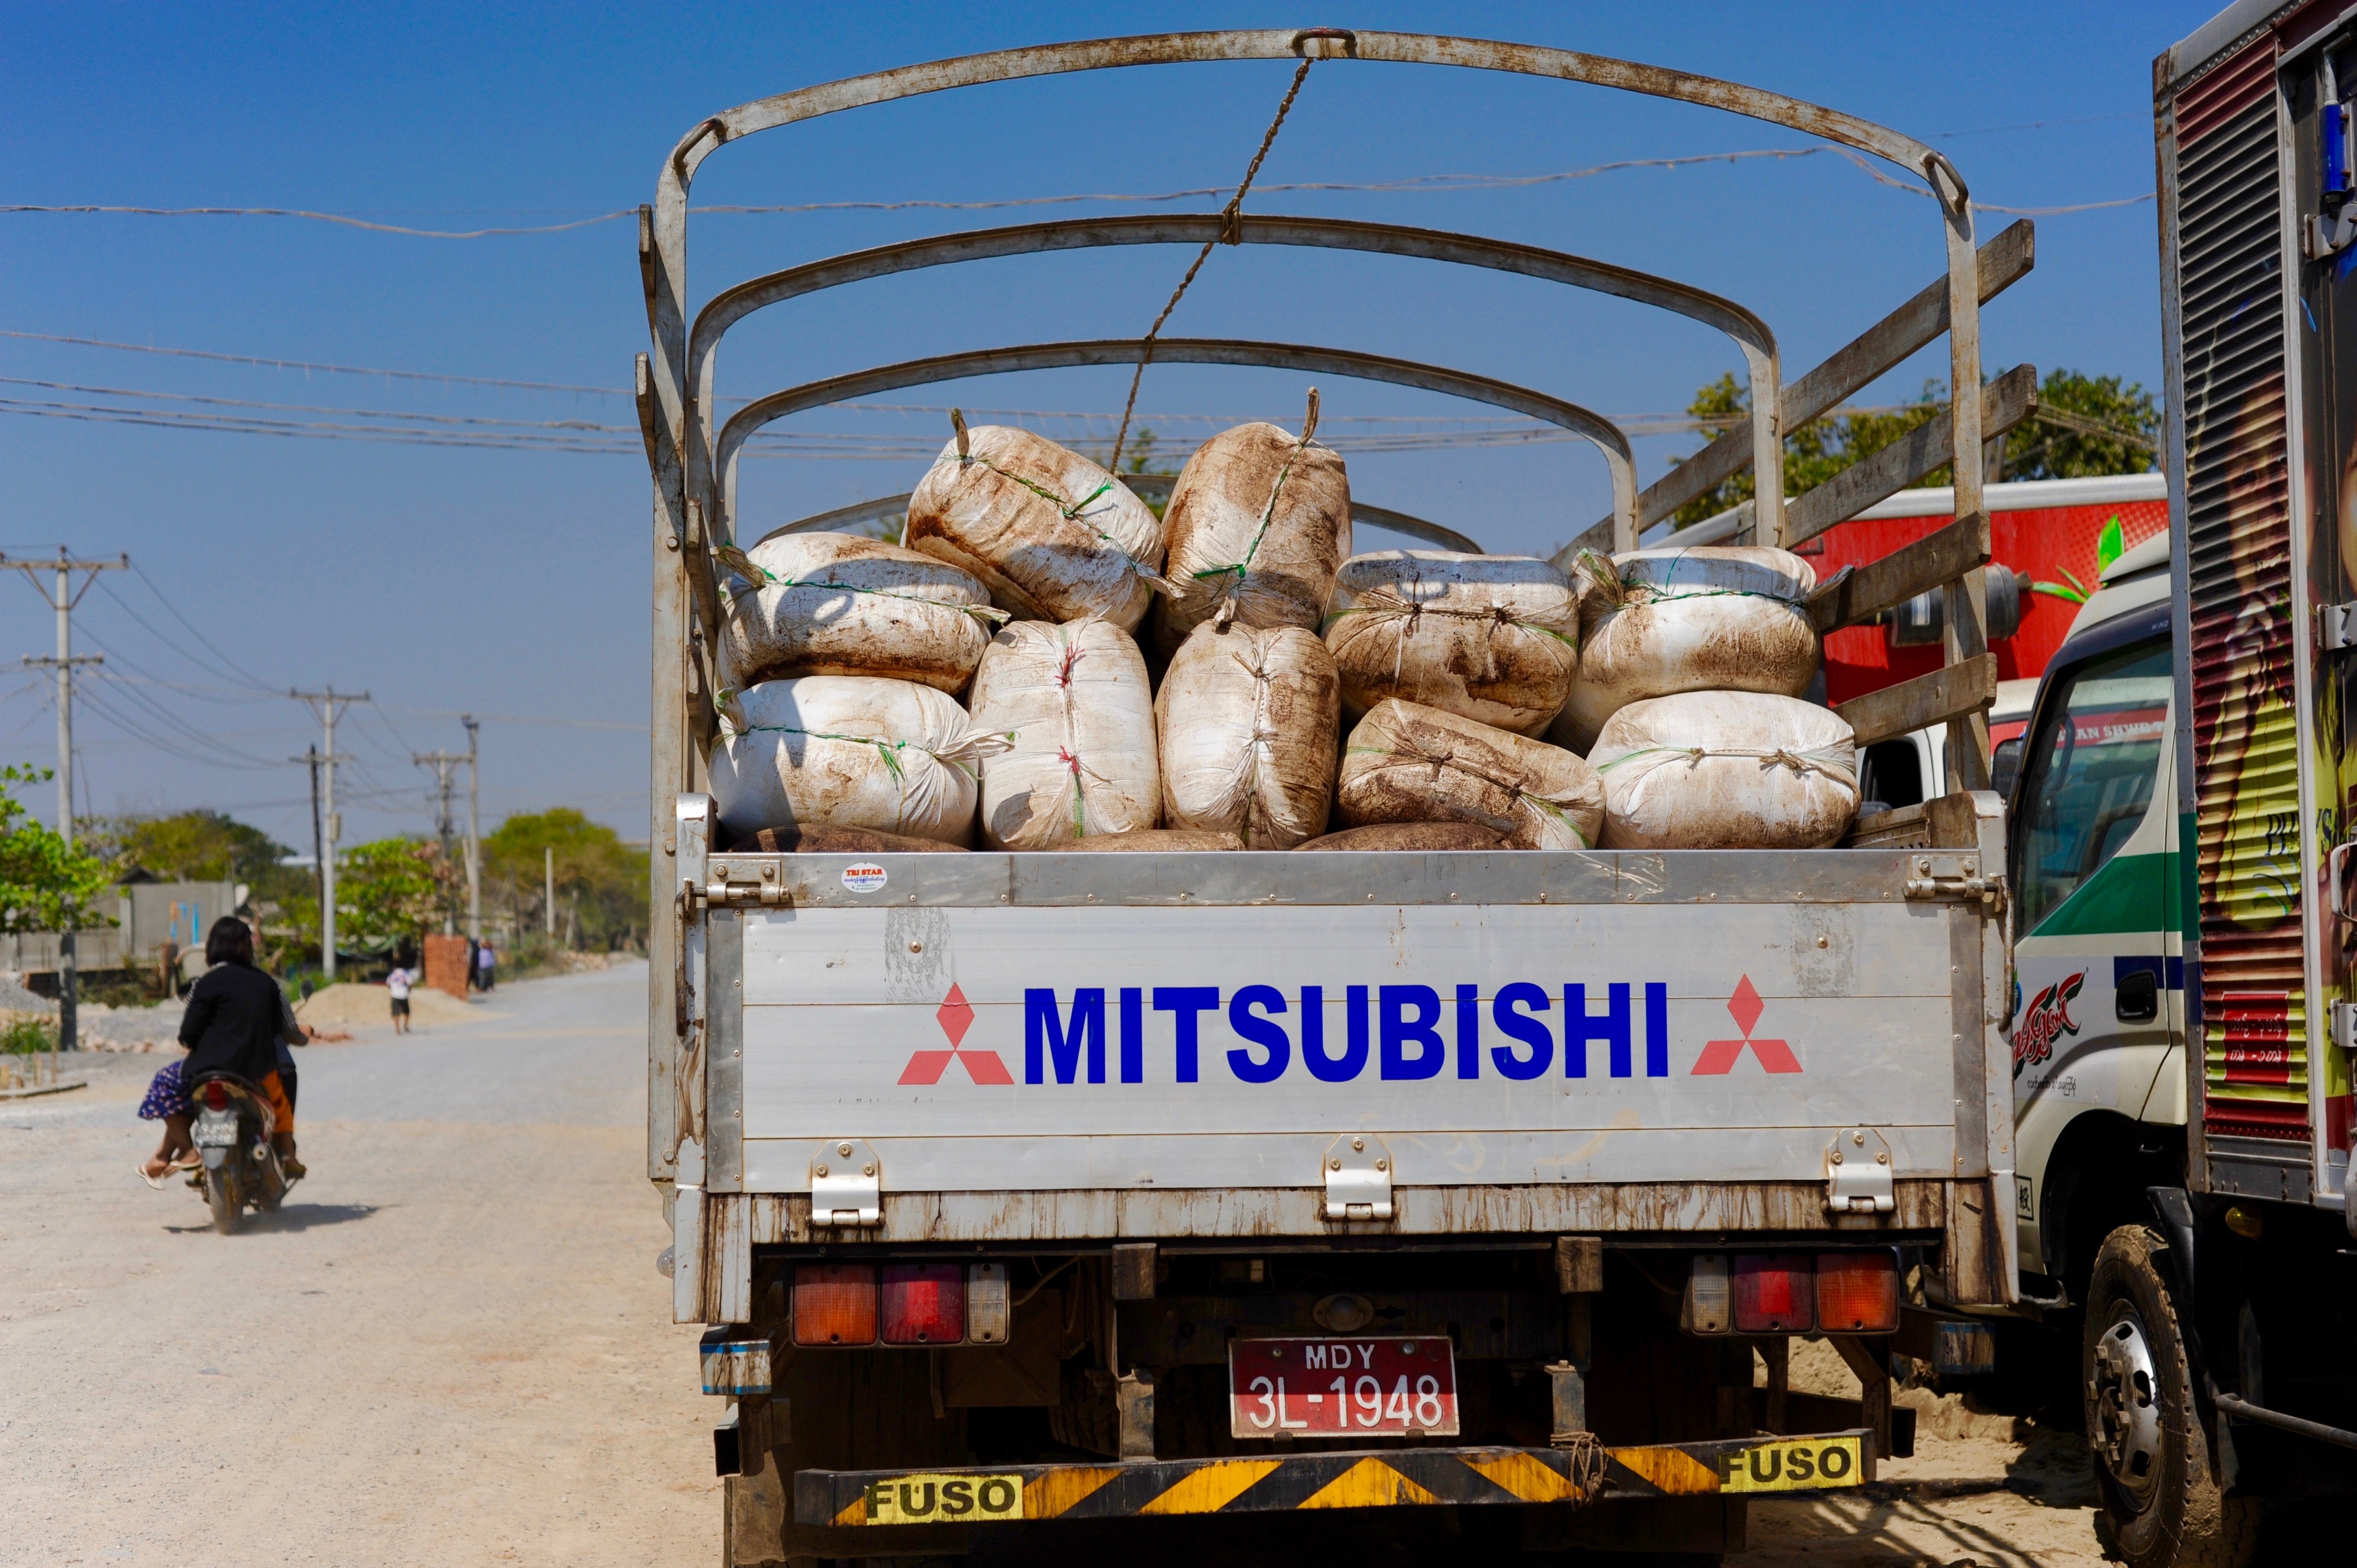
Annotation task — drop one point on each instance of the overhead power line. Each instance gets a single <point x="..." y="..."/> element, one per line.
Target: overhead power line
<point x="1415" y="184"/>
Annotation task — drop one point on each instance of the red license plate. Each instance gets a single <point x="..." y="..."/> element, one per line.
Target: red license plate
<point x="1342" y="1388"/>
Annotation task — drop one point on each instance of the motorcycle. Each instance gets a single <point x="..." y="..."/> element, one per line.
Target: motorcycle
<point x="240" y="1169"/>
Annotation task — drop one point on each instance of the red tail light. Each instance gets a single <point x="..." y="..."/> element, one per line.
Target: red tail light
<point x="216" y="1096"/>
<point x="834" y="1304"/>
<point x="1775" y="1293"/>
<point x="924" y="1303"/>
<point x="1857" y="1292"/>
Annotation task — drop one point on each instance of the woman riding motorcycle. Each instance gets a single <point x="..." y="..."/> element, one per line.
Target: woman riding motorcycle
<point x="235" y="1019"/>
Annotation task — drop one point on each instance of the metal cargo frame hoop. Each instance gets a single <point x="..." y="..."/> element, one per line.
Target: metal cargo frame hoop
<point x="692" y="466"/>
<point x="705" y="468"/>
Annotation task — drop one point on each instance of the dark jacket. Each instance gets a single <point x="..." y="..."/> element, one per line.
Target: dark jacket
<point x="231" y="1024"/>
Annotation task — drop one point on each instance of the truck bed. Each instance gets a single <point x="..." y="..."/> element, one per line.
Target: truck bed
<point x="1077" y="1047"/>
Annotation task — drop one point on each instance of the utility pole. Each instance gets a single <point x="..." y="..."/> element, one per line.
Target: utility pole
<point x="311" y="755"/>
<point x="548" y="900"/>
<point x="327" y="704"/>
<point x="474" y="830"/>
<point x="444" y="764"/>
<point x="63" y="601"/>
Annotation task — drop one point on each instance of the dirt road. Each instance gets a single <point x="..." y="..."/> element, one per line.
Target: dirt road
<point x="451" y="1346"/>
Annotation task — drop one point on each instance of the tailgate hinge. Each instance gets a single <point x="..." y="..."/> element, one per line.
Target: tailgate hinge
<point x="1857" y="1172"/>
<point x="1952" y="875"/>
<point x="1358" y="1172"/>
<point x="847" y="1185"/>
<point x="744" y="884"/>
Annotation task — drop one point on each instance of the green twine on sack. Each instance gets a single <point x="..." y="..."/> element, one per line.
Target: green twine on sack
<point x="1555" y="809"/>
<point x="1267" y="518"/>
<point x="745" y="566"/>
<point x="1073" y="512"/>
<point x="1397" y="607"/>
<point x="1602" y="571"/>
<point x="886" y="751"/>
<point x="1808" y="760"/>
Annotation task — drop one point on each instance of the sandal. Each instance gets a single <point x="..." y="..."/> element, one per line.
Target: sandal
<point x="156" y="1182"/>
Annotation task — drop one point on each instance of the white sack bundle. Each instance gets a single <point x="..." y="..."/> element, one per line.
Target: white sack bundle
<point x="836" y="604"/>
<point x="1248" y="720"/>
<point x="1708" y="617"/>
<point x="1075" y="699"/>
<point x="1052" y="535"/>
<point x="1492" y="638"/>
<point x="1258" y="522"/>
<point x="849" y="751"/>
<point x="1409" y="762"/>
<point x="1726" y="770"/>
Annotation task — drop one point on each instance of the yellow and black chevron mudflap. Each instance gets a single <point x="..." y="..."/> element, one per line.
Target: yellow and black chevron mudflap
<point x="1396" y="1477"/>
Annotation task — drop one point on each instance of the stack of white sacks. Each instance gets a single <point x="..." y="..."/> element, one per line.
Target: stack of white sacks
<point x="1405" y="699"/>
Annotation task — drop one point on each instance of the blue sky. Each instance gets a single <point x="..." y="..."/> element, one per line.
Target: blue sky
<point x="512" y="582"/>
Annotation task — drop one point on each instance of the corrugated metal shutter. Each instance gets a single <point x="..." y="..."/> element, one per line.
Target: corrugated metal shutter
<point x="2237" y="504"/>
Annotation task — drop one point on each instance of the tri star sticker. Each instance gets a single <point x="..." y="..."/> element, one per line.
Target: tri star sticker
<point x="955" y="1015"/>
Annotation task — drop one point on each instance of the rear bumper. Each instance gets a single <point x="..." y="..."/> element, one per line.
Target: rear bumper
<point x="1397" y="1478"/>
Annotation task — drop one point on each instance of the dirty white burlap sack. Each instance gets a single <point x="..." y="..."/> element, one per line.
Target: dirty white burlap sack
<point x="1248" y="720"/>
<point x="849" y="751"/>
<point x="1492" y="638"/>
<point x="1075" y="699"/>
<point x="1258" y="522"/>
<point x="1052" y="535"/>
<point x="1710" y="618"/>
<point x="836" y="604"/>
<point x="1409" y="762"/>
<point x="1726" y="770"/>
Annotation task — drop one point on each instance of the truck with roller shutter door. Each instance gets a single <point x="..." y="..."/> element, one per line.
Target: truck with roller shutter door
<point x="2184" y="890"/>
<point x="1016" y="1190"/>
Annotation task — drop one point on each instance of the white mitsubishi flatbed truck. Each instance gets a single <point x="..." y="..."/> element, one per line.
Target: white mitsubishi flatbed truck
<point x="1020" y="1189"/>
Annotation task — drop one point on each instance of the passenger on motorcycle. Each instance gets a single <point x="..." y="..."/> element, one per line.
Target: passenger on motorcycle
<point x="236" y="1018"/>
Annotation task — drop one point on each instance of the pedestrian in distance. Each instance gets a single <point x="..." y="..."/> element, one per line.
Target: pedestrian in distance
<point x="486" y="967"/>
<point x="396" y="985"/>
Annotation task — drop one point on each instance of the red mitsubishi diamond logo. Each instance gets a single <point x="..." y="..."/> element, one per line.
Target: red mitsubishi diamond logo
<point x="1720" y="1055"/>
<point x="955" y="1015"/>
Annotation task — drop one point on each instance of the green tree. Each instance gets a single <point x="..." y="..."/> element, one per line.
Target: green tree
<point x="601" y="882"/>
<point x="192" y="846"/>
<point x="2085" y="425"/>
<point x="388" y="893"/>
<point x="46" y="884"/>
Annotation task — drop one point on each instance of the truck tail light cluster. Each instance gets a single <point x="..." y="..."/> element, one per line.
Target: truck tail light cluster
<point x="1793" y="1293"/>
<point x="911" y="1304"/>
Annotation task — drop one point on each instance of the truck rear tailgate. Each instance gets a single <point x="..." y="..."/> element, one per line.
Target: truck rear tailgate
<point x="1226" y="1024"/>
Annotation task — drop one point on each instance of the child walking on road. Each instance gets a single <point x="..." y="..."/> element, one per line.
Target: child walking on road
<point x="397" y="985"/>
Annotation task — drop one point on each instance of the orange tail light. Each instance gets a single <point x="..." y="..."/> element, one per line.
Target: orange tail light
<point x="834" y="1304"/>
<point x="1857" y="1292"/>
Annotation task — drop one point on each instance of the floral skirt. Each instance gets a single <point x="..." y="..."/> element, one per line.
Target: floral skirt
<point x="166" y="1096"/>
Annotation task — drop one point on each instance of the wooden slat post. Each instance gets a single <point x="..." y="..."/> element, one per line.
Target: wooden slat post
<point x="2005" y="403"/>
<point x="2004" y="262"/>
<point x="1855" y="598"/>
<point x="1946" y="694"/>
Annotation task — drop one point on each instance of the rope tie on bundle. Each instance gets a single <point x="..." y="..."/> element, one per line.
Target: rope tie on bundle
<point x="1235" y="573"/>
<point x="1808" y="760"/>
<point x="756" y="576"/>
<point x="1070" y="511"/>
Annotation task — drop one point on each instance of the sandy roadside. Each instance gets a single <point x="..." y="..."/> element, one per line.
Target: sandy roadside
<point x="449" y="1347"/>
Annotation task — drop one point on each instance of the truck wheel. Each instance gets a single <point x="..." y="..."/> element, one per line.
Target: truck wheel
<point x="222" y="1196"/>
<point x="2162" y="1507"/>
